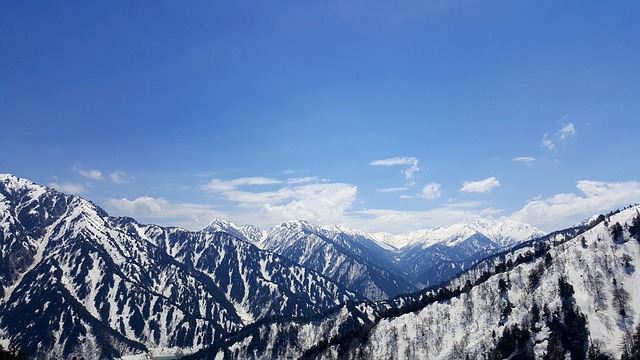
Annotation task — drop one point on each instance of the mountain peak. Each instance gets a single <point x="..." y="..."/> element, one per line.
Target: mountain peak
<point x="220" y="223"/>
<point x="14" y="182"/>
<point x="248" y="233"/>
<point x="296" y="224"/>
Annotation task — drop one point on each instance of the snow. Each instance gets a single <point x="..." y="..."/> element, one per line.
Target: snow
<point x="35" y="192"/>
<point x="135" y="357"/>
<point x="158" y="354"/>
<point x="474" y="331"/>
<point x="471" y="323"/>
<point x="244" y="313"/>
<point x="439" y="330"/>
<point x="505" y="233"/>
<point x="40" y="247"/>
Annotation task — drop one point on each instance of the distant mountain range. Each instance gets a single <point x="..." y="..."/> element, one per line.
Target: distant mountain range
<point x="382" y="265"/>
<point x="97" y="286"/>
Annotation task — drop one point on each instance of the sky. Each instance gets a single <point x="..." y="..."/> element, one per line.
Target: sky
<point x="381" y="116"/>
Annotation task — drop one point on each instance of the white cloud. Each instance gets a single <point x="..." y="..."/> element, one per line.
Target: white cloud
<point x="294" y="171"/>
<point x="431" y="191"/>
<point x="481" y="186"/>
<point x="566" y="209"/>
<point x="394" y="161"/>
<point x="91" y="174"/>
<point x="411" y="161"/>
<point x="293" y="198"/>
<point x="524" y="159"/>
<point x="146" y="208"/>
<point x="567" y="131"/>
<point x="142" y="206"/>
<point x="217" y="185"/>
<point x="547" y="142"/>
<point x="550" y="141"/>
<point x="68" y="188"/>
<point x="319" y="203"/>
<point x="119" y="177"/>
<point x="301" y="180"/>
<point x="395" y="189"/>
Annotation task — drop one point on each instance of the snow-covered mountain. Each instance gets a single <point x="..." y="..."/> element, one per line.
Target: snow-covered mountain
<point x="99" y="286"/>
<point x="347" y="257"/>
<point x="502" y="233"/>
<point x="571" y="294"/>
<point x="96" y="286"/>
<point x="381" y="265"/>
<point x="435" y="255"/>
<point x="248" y="233"/>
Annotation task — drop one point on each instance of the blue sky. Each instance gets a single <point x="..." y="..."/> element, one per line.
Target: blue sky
<point x="376" y="115"/>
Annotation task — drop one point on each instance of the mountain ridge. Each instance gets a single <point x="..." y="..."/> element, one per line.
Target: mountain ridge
<point x="556" y="297"/>
<point x="505" y="232"/>
<point x="426" y="257"/>
<point x="101" y="286"/>
<point x="114" y="287"/>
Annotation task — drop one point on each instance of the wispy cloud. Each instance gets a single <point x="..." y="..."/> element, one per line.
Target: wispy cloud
<point x="222" y="186"/>
<point x="119" y="177"/>
<point x="565" y="209"/>
<point x="218" y="185"/>
<point x="116" y="177"/>
<point x="567" y="131"/>
<point x="91" y="174"/>
<point x="524" y="159"/>
<point x="550" y="141"/>
<point x="69" y="188"/>
<point x="294" y="171"/>
<point x="481" y="186"/>
<point x="301" y="180"/>
<point x="394" y="189"/>
<point x="431" y="191"/>
<point x="409" y="173"/>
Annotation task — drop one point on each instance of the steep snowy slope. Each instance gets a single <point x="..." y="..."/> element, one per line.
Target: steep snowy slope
<point x="567" y="294"/>
<point x="96" y="286"/>
<point x="258" y="283"/>
<point x="353" y="261"/>
<point x="91" y="286"/>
